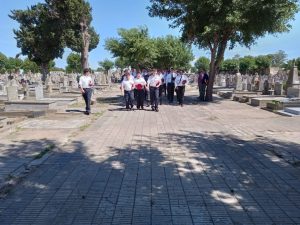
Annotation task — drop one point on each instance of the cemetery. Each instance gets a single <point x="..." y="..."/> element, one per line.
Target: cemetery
<point x="152" y="113"/>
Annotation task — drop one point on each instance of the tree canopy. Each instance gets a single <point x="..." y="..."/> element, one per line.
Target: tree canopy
<point x="74" y="63"/>
<point x="106" y="64"/>
<point x="202" y="63"/>
<point x="39" y="36"/>
<point x="218" y="24"/>
<point x="136" y="48"/>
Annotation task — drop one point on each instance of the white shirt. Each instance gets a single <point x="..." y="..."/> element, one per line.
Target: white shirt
<point x="139" y="83"/>
<point x="181" y="80"/>
<point x="169" y="77"/>
<point x="127" y="85"/>
<point x="85" y="81"/>
<point x="154" y="80"/>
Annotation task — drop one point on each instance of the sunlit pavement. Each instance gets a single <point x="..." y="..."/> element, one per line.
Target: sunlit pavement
<point x="204" y="163"/>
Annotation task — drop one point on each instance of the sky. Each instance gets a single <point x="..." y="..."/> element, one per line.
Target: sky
<point x="109" y="15"/>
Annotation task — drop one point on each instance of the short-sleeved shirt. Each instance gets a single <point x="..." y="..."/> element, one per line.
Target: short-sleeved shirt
<point x="139" y="83"/>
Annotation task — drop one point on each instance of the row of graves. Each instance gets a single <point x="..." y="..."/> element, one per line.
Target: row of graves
<point x="279" y="91"/>
<point x="23" y="96"/>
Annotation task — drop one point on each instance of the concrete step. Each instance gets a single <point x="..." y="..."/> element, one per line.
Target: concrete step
<point x="293" y="110"/>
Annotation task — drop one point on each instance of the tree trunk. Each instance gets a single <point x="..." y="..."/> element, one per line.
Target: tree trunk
<point x="44" y="71"/>
<point x="86" y="44"/>
<point x="217" y="54"/>
<point x="209" y="89"/>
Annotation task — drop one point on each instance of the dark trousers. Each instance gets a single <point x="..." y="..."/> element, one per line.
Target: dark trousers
<point x="180" y="94"/>
<point x="129" y="98"/>
<point x="140" y="95"/>
<point x="170" y="90"/>
<point x="154" y="96"/>
<point x="87" y="95"/>
<point x="162" y="90"/>
<point x="202" y="92"/>
<point x="147" y="93"/>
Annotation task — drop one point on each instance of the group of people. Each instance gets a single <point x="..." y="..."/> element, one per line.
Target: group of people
<point x="140" y="86"/>
<point x="143" y="86"/>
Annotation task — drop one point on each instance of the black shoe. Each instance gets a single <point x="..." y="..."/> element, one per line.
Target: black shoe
<point x="142" y="108"/>
<point x="152" y="107"/>
<point x="87" y="113"/>
<point x="181" y="105"/>
<point x="156" y="110"/>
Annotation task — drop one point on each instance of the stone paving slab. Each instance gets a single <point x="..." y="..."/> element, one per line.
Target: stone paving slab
<point x="204" y="163"/>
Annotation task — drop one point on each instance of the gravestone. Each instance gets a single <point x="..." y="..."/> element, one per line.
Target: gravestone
<point x="266" y="87"/>
<point x="238" y="82"/>
<point x="12" y="93"/>
<point x="39" y="92"/>
<point x="278" y="88"/>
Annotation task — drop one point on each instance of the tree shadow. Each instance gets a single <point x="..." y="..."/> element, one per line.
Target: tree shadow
<point x="176" y="178"/>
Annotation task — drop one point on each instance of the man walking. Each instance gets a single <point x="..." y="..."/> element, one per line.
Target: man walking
<point x="170" y="77"/>
<point x="153" y="84"/>
<point x="85" y="85"/>
<point x="180" y="82"/>
<point x="139" y="85"/>
<point x="203" y="84"/>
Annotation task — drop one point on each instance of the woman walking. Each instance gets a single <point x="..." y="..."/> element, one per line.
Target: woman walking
<point x="127" y="87"/>
<point x="139" y="85"/>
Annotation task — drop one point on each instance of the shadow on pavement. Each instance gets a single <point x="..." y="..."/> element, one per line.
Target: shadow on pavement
<point x="194" y="178"/>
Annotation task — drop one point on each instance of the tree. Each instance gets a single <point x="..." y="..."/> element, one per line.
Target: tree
<point x="134" y="46"/>
<point x="278" y="59"/>
<point x="216" y="25"/>
<point x="290" y="64"/>
<point x="3" y="61"/>
<point x="39" y="36"/>
<point x="247" y="64"/>
<point x="120" y="63"/>
<point x="230" y="65"/>
<point x="29" y="65"/>
<point x="172" y="52"/>
<point x="74" y="63"/>
<point x="263" y="62"/>
<point x="75" y="18"/>
<point x="13" y="65"/>
<point x="202" y="63"/>
<point x="106" y="64"/>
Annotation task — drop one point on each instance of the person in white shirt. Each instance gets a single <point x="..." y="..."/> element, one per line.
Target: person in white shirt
<point x="127" y="87"/>
<point x="139" y="85"/>
<point x="162" y="87"/>
<point x="85" y="85"/>
<point x="153" y="84"/>
<point x="170" y="78"/>
<point x="180" y="82"/>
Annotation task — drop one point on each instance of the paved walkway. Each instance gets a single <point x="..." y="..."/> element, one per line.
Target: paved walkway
<point x="220" y="163"/>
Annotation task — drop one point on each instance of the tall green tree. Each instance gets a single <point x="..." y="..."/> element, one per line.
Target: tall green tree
<point x="3" y="60"/>
<point x="74" y="63"/>
<point x="13" y="65"/>
<point x="247" y="64"/>
<point x="290" y="64"/>
<point x="263" y="62"/>
<point x="75" y="17"/>
<point x="120" y="63"/>
<point x="172" y="52"/>
<point x="202" y="63"/>
<point x="39" y="35"/>
<point x="218" y="24"/>
<point x="106" y="64"/>
<point x="30" y="66"/>
<point x="134" y="46"/>
<point x="278" y="59"/>
<point x="230" y="65"/>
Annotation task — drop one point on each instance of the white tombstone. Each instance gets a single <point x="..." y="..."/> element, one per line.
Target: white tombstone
<point x="238" y="81"/>
<point x="39" y="92"/>
<point x="12" y="93"/>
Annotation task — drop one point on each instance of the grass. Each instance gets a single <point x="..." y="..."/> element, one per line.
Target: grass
<point x="85" y="126"/>
<point x="47" y="149"/>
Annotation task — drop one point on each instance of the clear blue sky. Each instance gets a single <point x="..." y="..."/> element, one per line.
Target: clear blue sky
<point x="109" y="15"/>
